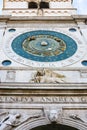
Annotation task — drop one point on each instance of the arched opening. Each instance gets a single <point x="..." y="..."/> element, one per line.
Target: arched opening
<point x="32" y="5"/>
<point x="44" y="5"/>
<point x="54" y="127"/>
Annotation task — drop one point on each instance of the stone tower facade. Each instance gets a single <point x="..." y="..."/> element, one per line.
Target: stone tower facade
<point x="38" y="8"/>
<point x="43" y="66"/>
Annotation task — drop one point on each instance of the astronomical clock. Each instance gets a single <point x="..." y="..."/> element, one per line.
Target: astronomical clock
<point x="45" y="48"/>
<point x="43" y="66"/>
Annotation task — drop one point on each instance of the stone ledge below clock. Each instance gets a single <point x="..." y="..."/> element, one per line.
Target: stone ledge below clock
<point x="59" y="18"/>
<point x="40" y="86"/>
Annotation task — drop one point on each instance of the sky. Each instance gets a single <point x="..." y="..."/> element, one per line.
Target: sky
<point x="81" y="6"/>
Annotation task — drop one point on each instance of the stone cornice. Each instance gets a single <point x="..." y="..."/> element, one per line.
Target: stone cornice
<point x="39" y="0"/>
<point x="36" y="9"/>
<point x="35" y="68"/>
<point x="7" y="18"/>
<point x="32" y="86"/>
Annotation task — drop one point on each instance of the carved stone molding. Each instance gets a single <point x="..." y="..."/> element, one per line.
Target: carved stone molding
<point x="47" y="115"/>
<point x="77" y="117"/>
<point x="8" y="120"/>
<point x="43" y="121"/>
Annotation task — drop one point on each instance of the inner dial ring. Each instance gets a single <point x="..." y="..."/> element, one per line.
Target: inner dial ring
<point x="44" y="45"/>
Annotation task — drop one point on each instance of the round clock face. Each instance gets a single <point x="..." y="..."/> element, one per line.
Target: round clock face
<point x="43" y="48"/>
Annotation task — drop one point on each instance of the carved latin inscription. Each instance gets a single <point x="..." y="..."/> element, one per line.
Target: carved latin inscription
<point x="33" y="99"/>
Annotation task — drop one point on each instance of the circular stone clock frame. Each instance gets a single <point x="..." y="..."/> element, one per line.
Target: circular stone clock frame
<point x="43" y="48"/>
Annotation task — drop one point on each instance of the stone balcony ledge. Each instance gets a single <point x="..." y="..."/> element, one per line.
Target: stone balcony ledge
<point x="39" y="86"/>
<point x="44" y="18"/>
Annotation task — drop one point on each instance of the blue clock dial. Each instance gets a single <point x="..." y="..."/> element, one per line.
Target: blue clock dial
<point x="44" y="46"/>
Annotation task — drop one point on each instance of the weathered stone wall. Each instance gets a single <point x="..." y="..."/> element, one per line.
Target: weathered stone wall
<point x="56" y="8"/>
<point x="26" y="105"/>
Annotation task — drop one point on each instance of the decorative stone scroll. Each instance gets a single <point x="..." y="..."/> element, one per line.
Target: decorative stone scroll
<point x="10" y="121"/>
<point x="14" y="120"/>
<point x="78" y="118"/>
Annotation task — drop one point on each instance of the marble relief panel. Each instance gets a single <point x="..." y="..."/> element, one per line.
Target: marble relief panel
<point x="43" y="76"/>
